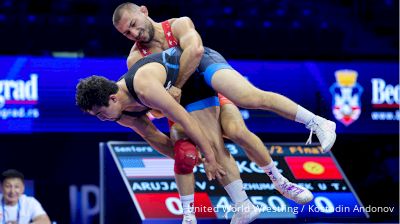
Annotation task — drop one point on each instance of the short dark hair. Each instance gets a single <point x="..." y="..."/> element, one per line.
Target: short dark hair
<point x="120" y="9"/>
<point x="11" y="173"/>
<point x="94" y="91"/>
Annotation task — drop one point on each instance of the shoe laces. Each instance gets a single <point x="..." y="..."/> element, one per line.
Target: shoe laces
<point x="313" y="126"/>
<point x="309" y="140"/>
<point x="290" y="187"/>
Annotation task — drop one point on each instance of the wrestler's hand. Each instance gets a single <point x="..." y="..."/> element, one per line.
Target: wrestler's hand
<point x="213" y="169"/>
<point x="175" y="92"/>
<point x="200" y="159"/>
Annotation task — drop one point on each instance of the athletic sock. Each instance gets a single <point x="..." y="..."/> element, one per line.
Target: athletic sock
<point x="236" y="191"/>
<point x="187" y="203"/>
<point x="272" y="171"/>
<point x="303" y="115"/>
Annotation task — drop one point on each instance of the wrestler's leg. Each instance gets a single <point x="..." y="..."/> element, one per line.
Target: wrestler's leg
<point x="236" y="88"/>
<point x="241" y="92"/>
<point x="210" y="125"/>
<point x="184" y="182"/>
<point x="208" y="118"/>
<point x="234" y="128"/>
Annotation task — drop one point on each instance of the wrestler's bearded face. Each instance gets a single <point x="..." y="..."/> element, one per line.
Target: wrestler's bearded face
<point x="147" y="32"/>
<point x="136" y="26"/>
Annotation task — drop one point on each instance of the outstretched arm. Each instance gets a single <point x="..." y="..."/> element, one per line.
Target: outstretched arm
<point x="155" y="96"/>
<point x="152" y="93"/>
<point x="149" y="132"/>
<point x="192" y="46"/>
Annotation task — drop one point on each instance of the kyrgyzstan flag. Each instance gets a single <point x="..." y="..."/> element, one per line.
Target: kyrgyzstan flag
<point x="313" y="168"/>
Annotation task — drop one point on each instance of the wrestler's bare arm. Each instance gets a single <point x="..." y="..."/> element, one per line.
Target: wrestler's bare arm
<point x="150" y="90"/>
<point x="192" y="46"/>
<point x="133" y="57"/>
<point x="146" y="129"/>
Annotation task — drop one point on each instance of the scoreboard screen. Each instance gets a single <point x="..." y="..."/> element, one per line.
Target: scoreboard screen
<point x="149" y="177"/>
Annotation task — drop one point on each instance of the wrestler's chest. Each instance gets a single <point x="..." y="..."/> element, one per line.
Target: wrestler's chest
<point x="157" y="48"/>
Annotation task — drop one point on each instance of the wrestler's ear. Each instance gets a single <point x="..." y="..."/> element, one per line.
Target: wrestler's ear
<point x="144" y="10"/>
<point x="113" y="98"/>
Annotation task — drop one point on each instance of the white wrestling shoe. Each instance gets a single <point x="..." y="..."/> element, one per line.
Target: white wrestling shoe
<point x="325" y="131"/>
<point x="189" y="219"/>
<point x="292" y="191"/>
<point x="245" y="212"/>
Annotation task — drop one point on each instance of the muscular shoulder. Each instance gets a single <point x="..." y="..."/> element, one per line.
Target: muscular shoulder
<point x="180" y="25"/>
<point x="134" y="56"/>
<point x="172" y="20"/>
<point x="179" y="21"/>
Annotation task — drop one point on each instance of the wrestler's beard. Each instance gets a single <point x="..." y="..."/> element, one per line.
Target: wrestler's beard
<point x="150" y="31"/>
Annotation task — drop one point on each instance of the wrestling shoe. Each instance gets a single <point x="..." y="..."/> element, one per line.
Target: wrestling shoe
<point x="325" y="131"/>
<point x="245" y="212"/>
<point x="292" y="191"/>
<point x="189" y="219"/>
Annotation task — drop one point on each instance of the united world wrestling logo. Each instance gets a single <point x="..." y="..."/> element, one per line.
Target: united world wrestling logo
<point x="346" y="100"/>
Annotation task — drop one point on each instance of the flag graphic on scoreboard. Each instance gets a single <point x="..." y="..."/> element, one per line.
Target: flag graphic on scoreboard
<point x="314" y="168"/>
<point x="149" y="168"/>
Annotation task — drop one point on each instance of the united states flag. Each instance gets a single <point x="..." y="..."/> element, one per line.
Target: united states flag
<point x="147" y="167"/>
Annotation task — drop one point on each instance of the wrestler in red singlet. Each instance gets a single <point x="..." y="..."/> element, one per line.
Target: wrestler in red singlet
<point x="172" y="42"/>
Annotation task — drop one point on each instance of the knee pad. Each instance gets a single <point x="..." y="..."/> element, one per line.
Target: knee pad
<point x="186" y="156"/>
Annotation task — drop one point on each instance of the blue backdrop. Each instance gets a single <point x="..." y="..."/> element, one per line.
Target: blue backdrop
<point x="37" y="94"/>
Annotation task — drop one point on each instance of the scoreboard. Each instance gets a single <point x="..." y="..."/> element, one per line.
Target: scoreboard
<point x="149" y="179"/>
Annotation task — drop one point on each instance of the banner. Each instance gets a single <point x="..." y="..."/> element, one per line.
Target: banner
<point x="38" y="94"/>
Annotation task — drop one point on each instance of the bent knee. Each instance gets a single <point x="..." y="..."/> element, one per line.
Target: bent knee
<point x="236" y="131"/>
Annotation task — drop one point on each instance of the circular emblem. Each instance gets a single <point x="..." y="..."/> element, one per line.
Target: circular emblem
<point x="314" y="167"/>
